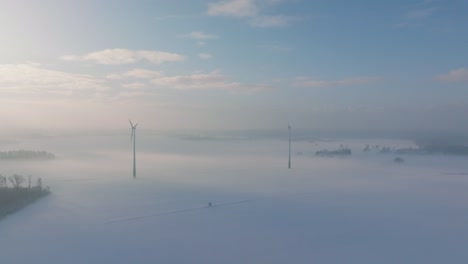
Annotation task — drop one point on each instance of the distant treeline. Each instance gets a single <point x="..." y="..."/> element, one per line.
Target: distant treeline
<point x="13" y="196"/>
<point x="27" y="155"/>
<point x="342" y="151"/>
<point x="425" y="149"/>
<point x="449" y="149"/>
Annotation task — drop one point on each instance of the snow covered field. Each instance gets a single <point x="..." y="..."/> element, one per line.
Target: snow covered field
<point x="358" y="209"/>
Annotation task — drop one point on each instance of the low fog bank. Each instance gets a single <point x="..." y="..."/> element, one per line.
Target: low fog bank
<point x="440" y="136"/>
<point x="362" y="208"/>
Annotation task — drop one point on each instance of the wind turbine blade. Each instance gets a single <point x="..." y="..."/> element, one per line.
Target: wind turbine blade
<point x="136" y="125"/>
<point x="131" y="124"/>
<point x="131" y="137"/>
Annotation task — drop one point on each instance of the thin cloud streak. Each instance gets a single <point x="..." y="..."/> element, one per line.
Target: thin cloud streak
<point x="235" y="8"/>
<point x="316" y="83"/>
<point x="136" y="85"/>
<point x="421" y="13"/>
<point x="137" y="73"/>
<point x="251" y="11"/>
<point x="125" y="56"/>
<point x="27" y="79"/>
<point x="417" y="16"/>
<point x="198" y="35"/>
<point x="458" y="75"/>
<point x="204" y="81"/>
<point x="143" y="73"/>
<point x="205" y="56"/>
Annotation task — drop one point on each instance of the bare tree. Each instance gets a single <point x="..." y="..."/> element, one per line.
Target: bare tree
<point x="39" y="183"/>
<point x="16" y="180"/>
<point x="3" y="181"/>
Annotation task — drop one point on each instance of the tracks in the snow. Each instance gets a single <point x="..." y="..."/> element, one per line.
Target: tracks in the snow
<point x="185" y="210"/>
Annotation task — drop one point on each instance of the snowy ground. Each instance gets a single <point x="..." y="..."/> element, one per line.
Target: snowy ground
<point x="359" y="209"/>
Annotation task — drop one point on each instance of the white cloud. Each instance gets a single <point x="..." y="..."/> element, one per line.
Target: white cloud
<point x="27" y="79"/>
<point x="212" y="80"/>
<point x="236" y="8"/>
<point x="112" y="56"/>
<point x="458" y="75"/>
<point x="315" y="83"/>
<point x="205" y="56"/>
<point x="143" y="74"/>
<point x="252" y="10"/>
<point x="204" y="81"/>
<point x="114" y="76"/>
<point x="158" y="57"/>
<point x="134" y="93"/>
<point x="201" y="36"/>
<point x="126" y="56"/>
<point x="137" y="73"/>
<point x="135" y="85"/>
<point x="70" y="58"/>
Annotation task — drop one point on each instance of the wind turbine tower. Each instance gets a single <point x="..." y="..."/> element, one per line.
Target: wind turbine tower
<point x="289" y="133"/>
<point x="133" y="136"/>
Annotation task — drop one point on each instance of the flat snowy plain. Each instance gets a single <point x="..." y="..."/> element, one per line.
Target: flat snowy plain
<point x="358" y="209"/>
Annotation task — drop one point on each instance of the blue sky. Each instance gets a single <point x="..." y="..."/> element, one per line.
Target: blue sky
<point x="234" y="64"/>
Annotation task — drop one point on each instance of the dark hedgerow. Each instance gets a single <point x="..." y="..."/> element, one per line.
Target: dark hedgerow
<point x="13" y="196"/>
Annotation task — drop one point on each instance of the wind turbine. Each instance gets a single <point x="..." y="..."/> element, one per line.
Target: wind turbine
<point x="289" y="133"/>
<point x="133" y="136"/>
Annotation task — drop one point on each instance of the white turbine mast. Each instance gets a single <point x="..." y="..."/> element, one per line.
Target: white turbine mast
<point x="289" y="133"/>
<point x="133" y="136"/>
